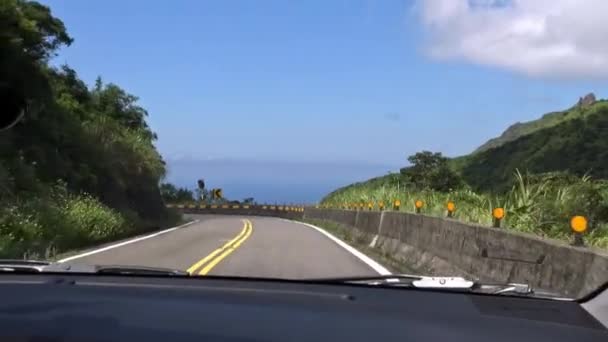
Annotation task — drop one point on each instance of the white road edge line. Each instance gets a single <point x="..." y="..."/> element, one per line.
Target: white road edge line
<point x="103" y="249"/>
<point x="364" y="258"/>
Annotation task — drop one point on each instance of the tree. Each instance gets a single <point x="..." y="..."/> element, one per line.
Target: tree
<point x="431" y="170"/>
<point x="29" y="36"/>
<point x="172" y="194"/>
<point x="112" y="101"/>
<point x="168" y="192"/>
<point x="89" y="148"/>
<point x="184" y="195"/>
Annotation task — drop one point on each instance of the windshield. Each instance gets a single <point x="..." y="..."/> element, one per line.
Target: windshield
<point x="308" y="140"/>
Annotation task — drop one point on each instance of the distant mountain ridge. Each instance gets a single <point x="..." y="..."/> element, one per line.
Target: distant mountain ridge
<point x="520" y="129"/>
<point x="575" y="140"/>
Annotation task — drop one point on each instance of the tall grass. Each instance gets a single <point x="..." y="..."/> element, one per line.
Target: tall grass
<point x="38" y="227"/>
<point x="537" y="205"/>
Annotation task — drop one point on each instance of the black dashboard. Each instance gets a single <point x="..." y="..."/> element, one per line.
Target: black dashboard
<point x="111" y="308"/>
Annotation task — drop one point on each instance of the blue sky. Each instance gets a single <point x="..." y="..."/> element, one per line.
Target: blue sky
<point x="354" y="86"/>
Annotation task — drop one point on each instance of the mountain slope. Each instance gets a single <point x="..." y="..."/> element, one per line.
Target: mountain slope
<point x="520" y="129"/>
<point x="578" y="144"/>
<point x="574" y="140"/>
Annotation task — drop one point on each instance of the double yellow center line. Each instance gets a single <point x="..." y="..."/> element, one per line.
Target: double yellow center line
<point x="210" y="261"/>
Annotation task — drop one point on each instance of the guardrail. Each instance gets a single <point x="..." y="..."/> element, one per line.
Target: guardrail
<point x="285" y="211"/>
<point x="444" y="246"/>
<point x="578" y="223"/>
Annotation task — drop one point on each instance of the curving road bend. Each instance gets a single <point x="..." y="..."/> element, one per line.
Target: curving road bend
<point x="239" y="246"/>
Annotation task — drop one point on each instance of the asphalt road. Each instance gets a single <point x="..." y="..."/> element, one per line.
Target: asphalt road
<point x="239" y="246"/>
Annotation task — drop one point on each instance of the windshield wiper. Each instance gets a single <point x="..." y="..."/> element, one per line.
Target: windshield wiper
<point x="408" y="280"/>
<point x="22" y="266"/>
<point x="445" y="283"/>
<point x="517" y="289"/>
<point x="511" y="288"/>
<point x="36" y="266"/>
<point x="139" y="270"/>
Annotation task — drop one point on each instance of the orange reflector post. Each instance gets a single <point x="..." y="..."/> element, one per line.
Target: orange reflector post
<point x="418" y="204"/>
<point x="497" y="215"/>
<point x="381" y="205"/>
<point x="578" y="224"/>
<point x="396" y="204"/>
<point x="451" y="208"/>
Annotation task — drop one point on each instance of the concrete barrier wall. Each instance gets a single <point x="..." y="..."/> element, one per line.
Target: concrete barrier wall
<point x="438" y="246"/>
<point x="345" y="217"/>
<point x="248" y="211"/>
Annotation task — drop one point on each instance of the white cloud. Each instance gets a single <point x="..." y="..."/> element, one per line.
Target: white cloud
<point x="544" y="38"/>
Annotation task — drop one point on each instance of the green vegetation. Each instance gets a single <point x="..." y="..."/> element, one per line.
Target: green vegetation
<point x="578" y="145"/>
<point x="536" y="204"/>
<point x="431" y="170"/>
<point x="562" y="156"/>
<point x="174" y="195"/>
<point x="81" y="166"/>
<point x="548" y="120"/>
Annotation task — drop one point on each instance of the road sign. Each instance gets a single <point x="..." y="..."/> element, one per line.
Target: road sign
<point x="217" y="193"/>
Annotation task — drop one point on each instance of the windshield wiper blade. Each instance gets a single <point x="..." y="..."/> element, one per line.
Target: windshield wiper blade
<point x="24" y="262"/>
<point x="139" y="270"/>
<point x="36" y="266"/>
<point x="517" y="289"/>
<point x="366" y="278"/>
<point x="445" y="283"/>
<point x="513" y="288"/>
<point x="22" y="266"/>
<point x="410" y="280"/>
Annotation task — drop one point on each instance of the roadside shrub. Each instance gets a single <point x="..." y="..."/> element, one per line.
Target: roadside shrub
<point x="37" y="225"/>
<point x="91" y="220"/>
<point x="18" y="232"/>
<point x="540" y="204"/>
